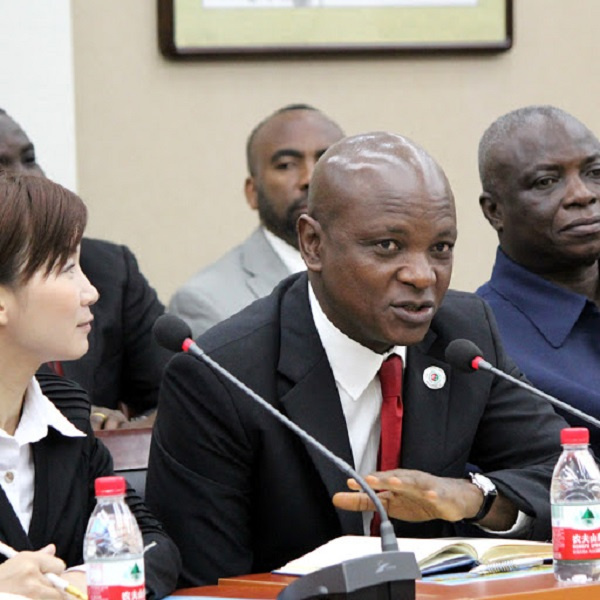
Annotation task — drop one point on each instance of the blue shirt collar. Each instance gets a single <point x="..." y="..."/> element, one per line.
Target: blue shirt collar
<point x="552" y="309"/>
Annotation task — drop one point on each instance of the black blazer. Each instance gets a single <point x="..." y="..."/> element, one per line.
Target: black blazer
<point x="65" y="471"/>
<point x="251" y="496"/>
<point x="124" y="364"/>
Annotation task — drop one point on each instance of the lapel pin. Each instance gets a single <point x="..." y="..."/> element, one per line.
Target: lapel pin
<point x="434" y="378"/>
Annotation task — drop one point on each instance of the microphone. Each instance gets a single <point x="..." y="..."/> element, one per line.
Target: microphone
<point x="465" y="356"/>
<point x="391" y="573"/>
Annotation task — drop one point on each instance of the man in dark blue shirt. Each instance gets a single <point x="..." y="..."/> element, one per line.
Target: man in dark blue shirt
<point x="540" y="173"/>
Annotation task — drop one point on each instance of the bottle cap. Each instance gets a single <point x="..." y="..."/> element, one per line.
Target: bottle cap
<point x="110" y="486"/>
<point x="575" y="435"/>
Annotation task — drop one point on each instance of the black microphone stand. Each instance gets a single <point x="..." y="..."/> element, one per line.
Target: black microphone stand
<point x="483" y="365"/>
<point x="390" y="575"/>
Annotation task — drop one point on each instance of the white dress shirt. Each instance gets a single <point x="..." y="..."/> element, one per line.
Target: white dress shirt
<point x="17" y="472"/>
<point x="355" y="370"/>
<point x="290" y="257"/>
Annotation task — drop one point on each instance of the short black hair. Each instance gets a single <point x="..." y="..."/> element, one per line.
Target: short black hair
<point x="252" y="136"/>
<point x="503" y="127"/>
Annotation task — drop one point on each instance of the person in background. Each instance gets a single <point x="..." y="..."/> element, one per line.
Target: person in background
<point x="49" y="456"/>
<point x="281" y="152"/>
<point x="124" y="364"/>
<point x="540" y="177"/>
<point x="371" y="311"/>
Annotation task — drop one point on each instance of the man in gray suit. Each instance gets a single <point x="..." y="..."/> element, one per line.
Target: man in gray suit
<point x="281" y="151"/>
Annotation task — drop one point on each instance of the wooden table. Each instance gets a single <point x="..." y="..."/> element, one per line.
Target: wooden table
<point x="266" y="586"/>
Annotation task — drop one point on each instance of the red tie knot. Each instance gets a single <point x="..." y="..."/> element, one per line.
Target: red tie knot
<point x="390" y="376"/>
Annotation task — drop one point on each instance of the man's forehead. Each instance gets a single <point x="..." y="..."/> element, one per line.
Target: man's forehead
<point x="544" y="139"/>
<point x="384" y="157"/>
<point x="296" y="125"/>
<point x="384" y="177"/>
<point x="8" y="127"/>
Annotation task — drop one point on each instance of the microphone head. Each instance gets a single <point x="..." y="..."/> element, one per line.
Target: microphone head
<point x="171" y="331"/>
<point x="460" y="354"/>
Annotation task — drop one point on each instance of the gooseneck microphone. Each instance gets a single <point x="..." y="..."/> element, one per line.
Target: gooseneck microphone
<point x="174" y="334"/>
<point x="392" y="572"/>
<point x="465" y="356"/>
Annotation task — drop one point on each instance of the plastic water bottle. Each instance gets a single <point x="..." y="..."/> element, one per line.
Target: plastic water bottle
<point x="113" y="549"/>
<point x="575" y="499"/>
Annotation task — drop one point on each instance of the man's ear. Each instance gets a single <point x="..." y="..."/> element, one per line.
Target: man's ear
<point x="309" y="239"/>
<point x="251" y="192"/>
<point x="492" y="211"/>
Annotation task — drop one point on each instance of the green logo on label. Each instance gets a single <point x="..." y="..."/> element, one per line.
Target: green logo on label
<point x="136" y="572"/>
<point x="588" y="517"/>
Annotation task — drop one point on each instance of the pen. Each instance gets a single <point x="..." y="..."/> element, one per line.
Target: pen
<point x="57" y="582"/>
<point x="505" y="566"/>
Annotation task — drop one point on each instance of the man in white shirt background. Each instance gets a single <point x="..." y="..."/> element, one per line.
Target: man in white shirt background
<point x="281" y="151"/>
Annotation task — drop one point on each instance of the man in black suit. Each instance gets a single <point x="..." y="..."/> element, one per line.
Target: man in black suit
<point x="124" y="364"/>
<point x="239" y="493"/>
<point x="123" y="367"/>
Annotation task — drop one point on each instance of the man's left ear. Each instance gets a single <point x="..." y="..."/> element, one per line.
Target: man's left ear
<point x="309" y="240"/>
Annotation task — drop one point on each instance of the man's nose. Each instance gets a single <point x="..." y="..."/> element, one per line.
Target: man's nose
<point x="306" y="172"/>
<point x="579" y="192"/>
<point x="416" y="270"/>
<point x="15" y="167"/>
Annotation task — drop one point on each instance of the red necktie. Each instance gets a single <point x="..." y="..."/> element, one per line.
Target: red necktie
<point x="390" y="376"/>
<point x="57" y="367"/>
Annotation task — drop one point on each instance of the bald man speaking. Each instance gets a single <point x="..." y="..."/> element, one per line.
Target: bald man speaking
<point x="239" y="493"/>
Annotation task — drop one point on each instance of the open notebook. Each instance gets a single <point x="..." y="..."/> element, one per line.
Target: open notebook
<point x="433" y="555"/>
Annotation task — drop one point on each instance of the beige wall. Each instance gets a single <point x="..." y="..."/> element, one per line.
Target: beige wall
<point x="161" y="144"/>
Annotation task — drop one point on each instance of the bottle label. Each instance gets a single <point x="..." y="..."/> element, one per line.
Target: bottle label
<point x="116" y="579"/>
<point x="576" y="531"/>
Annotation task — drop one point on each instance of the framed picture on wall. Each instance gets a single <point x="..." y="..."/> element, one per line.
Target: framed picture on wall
<point x="212" y="28"/>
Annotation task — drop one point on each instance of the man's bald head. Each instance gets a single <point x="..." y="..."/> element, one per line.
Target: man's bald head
<point x="354" y="160"/>
<point x="537" y="118"/>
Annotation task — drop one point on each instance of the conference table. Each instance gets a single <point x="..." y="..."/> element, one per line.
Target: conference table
<point x="540" y="586"/>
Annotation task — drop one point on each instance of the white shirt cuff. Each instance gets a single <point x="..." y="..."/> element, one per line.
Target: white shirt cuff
<point x="521" y="524"/>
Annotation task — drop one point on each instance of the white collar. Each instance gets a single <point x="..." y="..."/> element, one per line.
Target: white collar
<point x="38" y="415"/>
<point x="290" y="257"/>
<point x="354" y="366"/>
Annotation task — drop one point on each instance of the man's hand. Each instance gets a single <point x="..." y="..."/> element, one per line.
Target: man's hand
<point x="24" y="574"/>
<point x="415" y="496"/>
<point x="106" y="418"/>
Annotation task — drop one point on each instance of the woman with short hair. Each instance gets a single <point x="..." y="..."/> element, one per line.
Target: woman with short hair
<point x="49" y="457"/>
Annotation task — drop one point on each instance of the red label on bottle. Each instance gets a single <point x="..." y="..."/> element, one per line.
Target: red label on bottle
<point x="116" y="580"/>
<point x="575" y="544"/>
<point x="116" y="592"/>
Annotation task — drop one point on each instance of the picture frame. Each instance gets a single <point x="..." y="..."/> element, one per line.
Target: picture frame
<point x="196" y="29"/>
